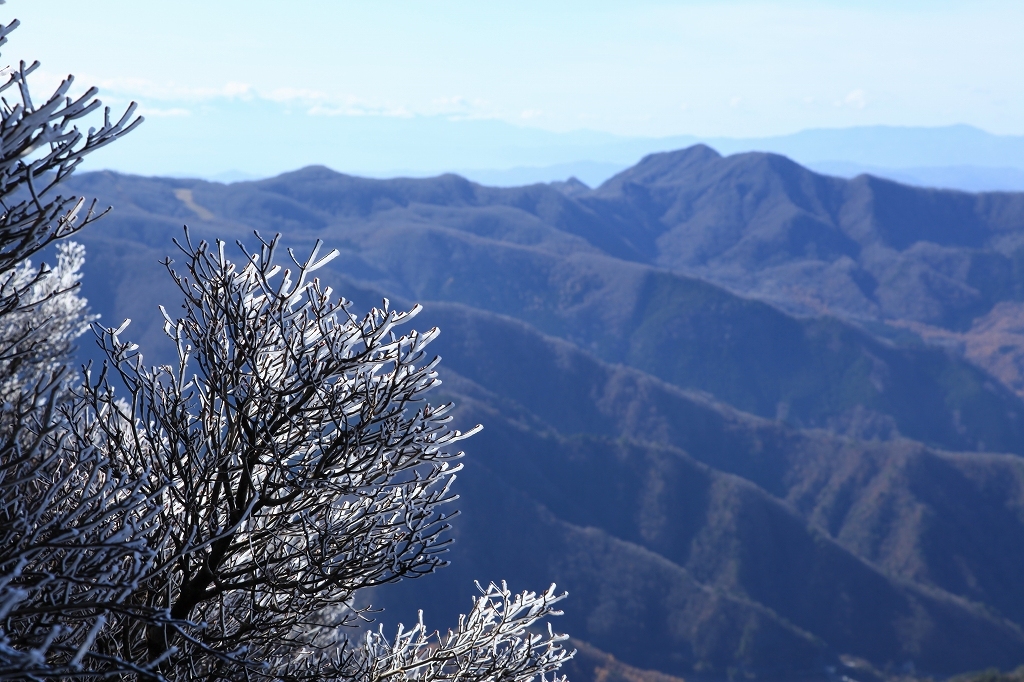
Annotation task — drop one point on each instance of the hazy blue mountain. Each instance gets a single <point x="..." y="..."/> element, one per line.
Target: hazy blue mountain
<point x="725" y="487"/>
<point x="964" y="178"/>
<point x="889" y="146"/>
<point x="258" y="137"/>
<point x="263" y="138"/>
<point x="591" y="173"/>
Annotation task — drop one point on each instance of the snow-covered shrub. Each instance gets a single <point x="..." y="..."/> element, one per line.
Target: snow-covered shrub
<point x="300" y="464"/>
<point x="37" y="336"/>
<point x="76" y="536"/>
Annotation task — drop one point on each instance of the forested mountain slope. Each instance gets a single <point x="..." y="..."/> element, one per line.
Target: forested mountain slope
<point x="509" y="251"/>
<point x="724" y="487"/>
<point x="866" y="246"/>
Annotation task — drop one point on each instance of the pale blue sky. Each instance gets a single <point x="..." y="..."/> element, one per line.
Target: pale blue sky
<point x="638" y="68"/>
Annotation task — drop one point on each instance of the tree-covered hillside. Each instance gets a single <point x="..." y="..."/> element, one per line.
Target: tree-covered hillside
<point x="708" y="414"/>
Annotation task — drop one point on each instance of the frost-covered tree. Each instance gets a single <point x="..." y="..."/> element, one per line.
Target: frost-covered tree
<point x="218" y="519"/>
<point x="298" y="463"/>
<point x="76" y="536"/>
<point x="37" y="336"/>
<point x="40" y="146"/>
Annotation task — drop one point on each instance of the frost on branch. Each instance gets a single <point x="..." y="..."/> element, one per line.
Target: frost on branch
<point x="76" y="537"/>
<point x="40" y="146"/>
<point x="75" y="541"/>
<point x="494" y="643"/>
<point x="299" y="459"/>
<point x="37" y="337"/>
<point x="74" y="534"/>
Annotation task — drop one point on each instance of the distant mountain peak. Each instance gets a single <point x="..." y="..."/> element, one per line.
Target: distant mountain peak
<point x="698" y="153"/>
<point x="699" y="164"/>
<point x="573" y="187"/>
<point x="312" y="173"/>
<point x="664" y="167"/>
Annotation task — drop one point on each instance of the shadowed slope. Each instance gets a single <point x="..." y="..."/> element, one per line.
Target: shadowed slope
<point x="696" y="538"/>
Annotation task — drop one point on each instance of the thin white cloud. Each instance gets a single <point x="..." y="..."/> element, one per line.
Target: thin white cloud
<point x="855" y="99"/>
<point x="296" y="95"/>
<point x="145" y="89"/>
<point x="915" y="62"/>
<point x="352" y="106"/>
<point x="164" y="113"/>
<point x="174" y="99"/>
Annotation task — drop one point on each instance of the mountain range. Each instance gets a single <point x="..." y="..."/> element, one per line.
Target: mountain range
<point x="226" y="139"/>
<point x="759" y="422"/>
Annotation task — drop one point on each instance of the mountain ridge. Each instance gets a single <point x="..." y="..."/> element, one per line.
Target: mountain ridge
<point x="727" y="488"/>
